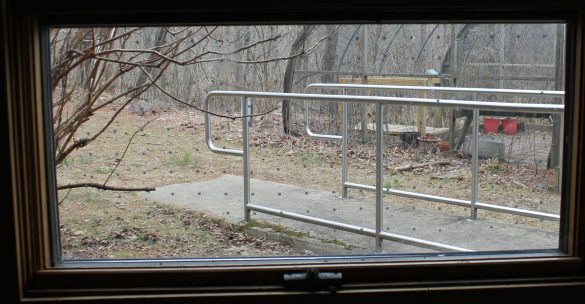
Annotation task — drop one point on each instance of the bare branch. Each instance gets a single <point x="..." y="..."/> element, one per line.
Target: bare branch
<point x="126" y="62"/>
<point x="302" y="52"/>
<point x="177" y="32"/>
<point x="102" y="187"/>
<point x="239" y="49"/>
<point x="112" y="39"/>
<point x="114" y="98"/>
<point x="126" y="150"/>
<point x="91" y="61"/>
<point x="64" y="197"/>
<point x="173" y="97"/>
<point x="173" y="60"/>
<point x="85" y="141"/>
<point x="196" y="43"/>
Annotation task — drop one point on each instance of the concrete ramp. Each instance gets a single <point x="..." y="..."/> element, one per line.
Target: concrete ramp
<point x="223" y="198"/>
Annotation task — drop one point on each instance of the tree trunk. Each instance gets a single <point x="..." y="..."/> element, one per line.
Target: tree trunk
<point x="143" y="106"/>
<point x="159" y="40"/>
<point x="289" y="75"/>
<point x="554" y="154"/>
<point x="328" y="64"/>
<point x="449" y="65"/>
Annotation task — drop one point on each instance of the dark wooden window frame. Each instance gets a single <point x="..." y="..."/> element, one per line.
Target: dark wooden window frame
<point x="27" y="207"/>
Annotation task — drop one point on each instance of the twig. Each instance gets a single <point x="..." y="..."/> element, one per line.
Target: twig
<point x="410" y="167"/>
<point x="64" y="197"/>
<point x="103" y="187"/>
<point x="173" y="97"/>
<point x="300" y="53"/>
<point x="173" y="60"/>
<point x="112" y="39"/>
<point x="519" y="184"/>
<point x="177" y="32"/>
<point x="118" y="207"/>
<point x="126" y="150"/>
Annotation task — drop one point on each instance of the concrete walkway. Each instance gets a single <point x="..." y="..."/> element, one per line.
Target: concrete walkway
<point x="223" y="198"/>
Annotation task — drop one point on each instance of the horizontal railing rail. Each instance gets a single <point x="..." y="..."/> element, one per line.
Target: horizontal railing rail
<point x="429" y="102"/>
<point x="435" y="89"/>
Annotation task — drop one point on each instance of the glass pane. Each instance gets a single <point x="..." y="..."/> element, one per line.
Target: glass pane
<point x="137" y="178"/>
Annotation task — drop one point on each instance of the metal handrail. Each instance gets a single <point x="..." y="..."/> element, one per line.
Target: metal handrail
<point x="434" y="89"/>
<point x="429" y="102"/>
<point x="209" y="140"/>
<point x="247" y="99"/>
<point x="458" y="202"/>
<point x="427" y="89"/>
<point x="473" y="203"/>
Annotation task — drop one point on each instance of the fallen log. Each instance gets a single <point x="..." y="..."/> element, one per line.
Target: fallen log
<point x="410" y="167"/>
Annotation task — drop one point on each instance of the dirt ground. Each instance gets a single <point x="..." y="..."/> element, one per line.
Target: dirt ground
<point x="171" y="149"/>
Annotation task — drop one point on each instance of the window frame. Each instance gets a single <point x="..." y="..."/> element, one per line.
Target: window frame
<point x="31" y="180"/>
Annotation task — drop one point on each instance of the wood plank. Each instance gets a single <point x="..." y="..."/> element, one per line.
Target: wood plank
<point x="405" y="81"/>
<point x="399" y="129"/>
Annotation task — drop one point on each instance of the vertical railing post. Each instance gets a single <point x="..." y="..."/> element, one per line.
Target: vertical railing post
<point x="559" y="167"/>
<point x="207" y="120"/>
<point x="306" y="104"/>
<point x="474" y="161"/>
<point x="344" y="146"/>
<point x="379" y="173"/>
<point x="246" y="111"/>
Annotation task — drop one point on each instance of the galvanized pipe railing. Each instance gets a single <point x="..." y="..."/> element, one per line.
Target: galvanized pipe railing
<point x="246" y="111"/>
<point x="434" y="89"/>
<point x="421" y="89"/>
<point x="358" y="230"/>
<point x="473" y="203"/>
<point x="247" y="99"/>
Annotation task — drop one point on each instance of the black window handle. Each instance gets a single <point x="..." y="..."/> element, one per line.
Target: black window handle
<point x="312" y="278"/>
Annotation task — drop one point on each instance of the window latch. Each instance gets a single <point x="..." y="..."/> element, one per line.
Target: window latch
<point x="312" y="278"/>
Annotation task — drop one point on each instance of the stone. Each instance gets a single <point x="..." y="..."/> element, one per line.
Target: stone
<point x="488" y="148"/>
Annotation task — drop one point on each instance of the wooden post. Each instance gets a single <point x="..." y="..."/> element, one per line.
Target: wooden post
<point x="421" y="124"/>
<point x="437" y="112"/>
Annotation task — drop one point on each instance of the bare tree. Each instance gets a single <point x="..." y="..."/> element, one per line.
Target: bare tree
<point x="289" y="75"/>
<point x="96" y="67"/>
<point x="329" y="57"/>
